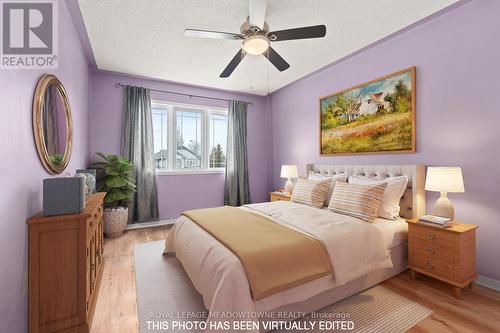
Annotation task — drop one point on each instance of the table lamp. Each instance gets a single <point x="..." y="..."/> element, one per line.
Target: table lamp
<point x="444" y="180"/>
<point x="289" y="172"/>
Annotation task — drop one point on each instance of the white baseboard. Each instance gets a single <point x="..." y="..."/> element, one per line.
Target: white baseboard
<point x="488" y="282"/>
<point x="150" y="224"/>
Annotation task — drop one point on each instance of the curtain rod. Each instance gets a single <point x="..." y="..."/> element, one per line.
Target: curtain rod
<point x="182" y="94"/>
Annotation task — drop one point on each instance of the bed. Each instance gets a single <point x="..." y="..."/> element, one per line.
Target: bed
<point x="370" y="254"/>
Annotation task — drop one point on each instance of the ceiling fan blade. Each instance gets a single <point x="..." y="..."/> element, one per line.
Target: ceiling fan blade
<point x="232" y="64"/>
<point x="212" y="34"/>
<point x="315" y="31"/>
<point x="276" y="59"/>
<point x="257" y="13"/>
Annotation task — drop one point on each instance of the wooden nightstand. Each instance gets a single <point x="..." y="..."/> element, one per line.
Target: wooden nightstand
<point x="447" y="254"/>
<point x="280" y="196"/>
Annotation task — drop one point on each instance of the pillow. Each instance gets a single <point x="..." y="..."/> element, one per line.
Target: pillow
<point x="340" y="177"/>
<point x="396" y="186"/>
<point x="311" y="192"/>
<point x="361" y="201"/>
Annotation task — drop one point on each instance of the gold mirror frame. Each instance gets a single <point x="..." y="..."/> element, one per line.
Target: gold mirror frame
<point x="41" y="87"/>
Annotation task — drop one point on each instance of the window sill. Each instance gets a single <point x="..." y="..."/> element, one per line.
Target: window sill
<point x="189" y="172"/>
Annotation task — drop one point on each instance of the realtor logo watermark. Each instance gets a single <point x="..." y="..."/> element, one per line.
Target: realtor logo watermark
<point x="29" y="34"/>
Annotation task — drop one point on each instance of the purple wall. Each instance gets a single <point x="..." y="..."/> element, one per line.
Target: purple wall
<point x="177" y="193"/>
<point x="458" y="76"/>
<point x="458" y="79"/>
<point x="20" y="169"/>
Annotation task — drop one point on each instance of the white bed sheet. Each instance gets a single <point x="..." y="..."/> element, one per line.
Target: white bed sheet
<point x="355" y="248"/>
<point x="394" y="232"/>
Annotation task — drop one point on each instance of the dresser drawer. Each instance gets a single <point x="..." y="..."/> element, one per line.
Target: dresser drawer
<point x="432" y="235"/>
<point x="440" y="268"/>
<point x="431" y="248"/>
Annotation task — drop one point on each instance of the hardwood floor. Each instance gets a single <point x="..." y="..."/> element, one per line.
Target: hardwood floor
<point x="478" y="309"/>
<point x="116" y="308"/>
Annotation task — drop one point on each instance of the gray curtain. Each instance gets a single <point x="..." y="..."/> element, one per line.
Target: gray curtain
<point x="137" y="146"/>
<point x="237" y="190"/>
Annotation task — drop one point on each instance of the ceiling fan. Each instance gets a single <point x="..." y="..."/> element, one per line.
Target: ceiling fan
<point x="256" y="37"/>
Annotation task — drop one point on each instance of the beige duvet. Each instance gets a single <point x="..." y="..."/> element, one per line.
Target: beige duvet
<point x="355" y="248"/>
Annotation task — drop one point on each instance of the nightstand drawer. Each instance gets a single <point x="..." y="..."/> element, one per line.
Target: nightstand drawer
<point x="432" y="248"/>
<point x="280" y="197"/>
<point x="439" y="268"/>
<point x="432" y="234"/>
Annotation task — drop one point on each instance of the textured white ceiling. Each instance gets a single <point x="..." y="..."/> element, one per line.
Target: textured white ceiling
<point x="146" y="37"/>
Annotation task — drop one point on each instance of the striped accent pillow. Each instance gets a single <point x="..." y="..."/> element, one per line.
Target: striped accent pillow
<point x="339" y="177"/>
<point x="311" y="192"/>
<point x="357" y="200"/>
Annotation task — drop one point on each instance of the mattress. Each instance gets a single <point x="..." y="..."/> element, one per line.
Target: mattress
<point x="394" y="232"/>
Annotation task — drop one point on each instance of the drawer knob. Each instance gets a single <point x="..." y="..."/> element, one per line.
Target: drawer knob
<point x="429" y="265"/>
<point x="430" y="250"/>
<point x="430" y="235"/>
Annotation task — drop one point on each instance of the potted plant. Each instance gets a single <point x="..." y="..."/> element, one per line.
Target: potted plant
<point x="113" y="176"/>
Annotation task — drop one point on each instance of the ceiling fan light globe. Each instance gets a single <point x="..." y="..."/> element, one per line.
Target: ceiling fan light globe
<point x="255" y="45"/>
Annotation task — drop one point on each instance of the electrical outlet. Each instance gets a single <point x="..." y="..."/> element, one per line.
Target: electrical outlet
<point x="25" y="283"/>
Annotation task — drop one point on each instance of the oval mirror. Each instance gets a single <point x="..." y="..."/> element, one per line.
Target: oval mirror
<point x="52" y="124"/>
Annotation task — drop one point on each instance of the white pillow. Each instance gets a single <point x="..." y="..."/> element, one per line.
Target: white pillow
<point x="396" y="186"/>
<point x="339" y="177"/>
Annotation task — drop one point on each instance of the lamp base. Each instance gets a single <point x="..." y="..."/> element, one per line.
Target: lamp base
<point x="444" y="207"/>
<point x="289" y="186"/>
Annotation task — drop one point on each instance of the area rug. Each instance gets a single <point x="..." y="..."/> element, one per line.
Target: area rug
<point x="164" y="290"/>
<point x="374" y="310"/>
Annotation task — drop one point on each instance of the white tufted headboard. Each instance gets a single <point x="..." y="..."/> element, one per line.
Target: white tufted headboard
<point x="413" y="201"/>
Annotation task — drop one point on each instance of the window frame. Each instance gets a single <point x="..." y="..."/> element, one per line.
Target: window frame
<point x="205" y="111"/>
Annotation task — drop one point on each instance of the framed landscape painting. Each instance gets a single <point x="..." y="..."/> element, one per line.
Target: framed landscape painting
<point x="370" y="118"/>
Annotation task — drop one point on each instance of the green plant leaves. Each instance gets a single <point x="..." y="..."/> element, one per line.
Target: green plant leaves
<point x="115" y="178"/>
<point x="116" y="195"/>
<point x="111" y="170"/>
<point x="102" y="155"/>
<point x="115" y="181"/>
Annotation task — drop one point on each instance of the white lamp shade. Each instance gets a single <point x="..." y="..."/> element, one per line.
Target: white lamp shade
<point x="444" y="179"/>
<point x="289" y="171"/>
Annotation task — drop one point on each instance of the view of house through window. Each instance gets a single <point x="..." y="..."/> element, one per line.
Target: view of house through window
<point x="189" y="137"/>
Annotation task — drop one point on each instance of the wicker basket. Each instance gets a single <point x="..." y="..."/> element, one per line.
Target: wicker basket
<point x="115" y="221"/>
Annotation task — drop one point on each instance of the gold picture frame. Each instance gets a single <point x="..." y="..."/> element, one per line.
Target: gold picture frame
<point x="43" y="84"/>
<point x="375" y="117"/>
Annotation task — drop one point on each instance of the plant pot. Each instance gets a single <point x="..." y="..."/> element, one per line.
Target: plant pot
<point x="115" y="221"/>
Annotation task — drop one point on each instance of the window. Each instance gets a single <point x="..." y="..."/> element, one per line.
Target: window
<point x="160" y="137"/>
<point x="189" y="138"/>
<point x="218" y="138"/>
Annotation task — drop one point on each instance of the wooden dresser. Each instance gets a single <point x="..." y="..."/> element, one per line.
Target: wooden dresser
<point x="65" y="269"/>
<point x="447" y="254"/>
